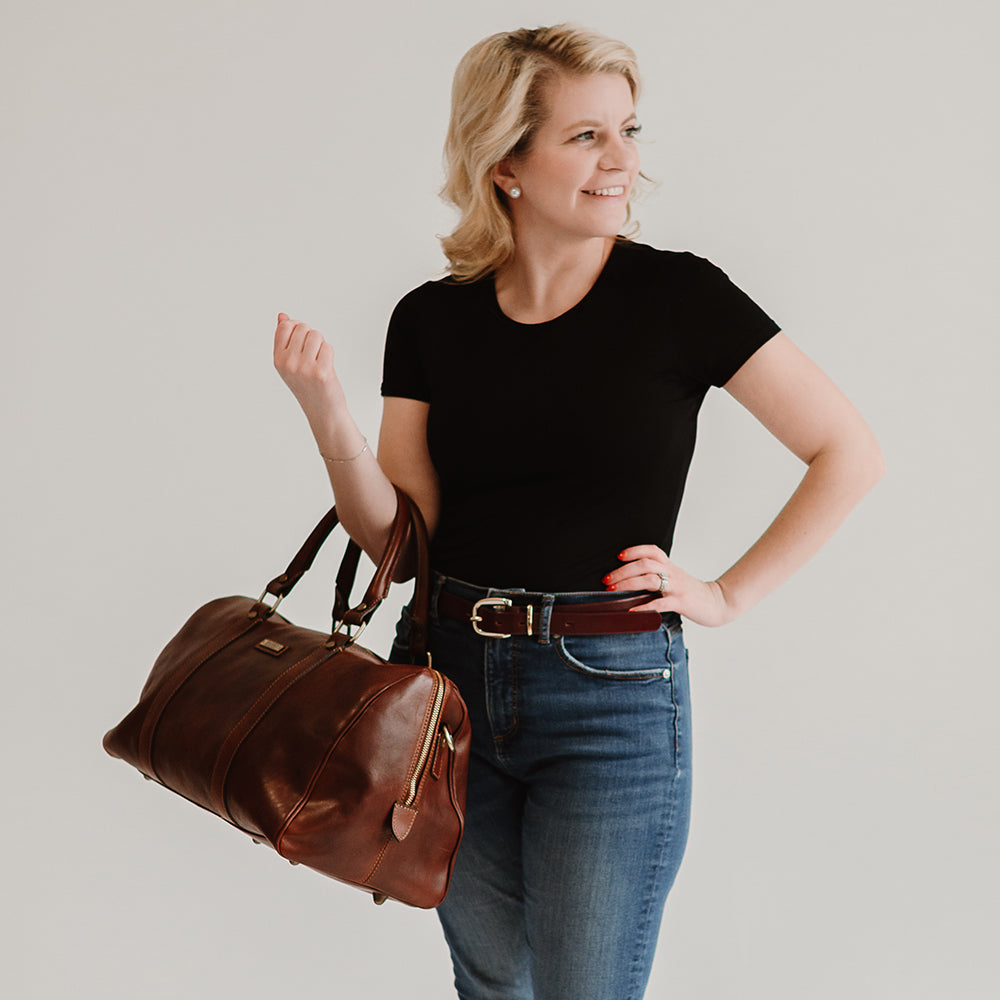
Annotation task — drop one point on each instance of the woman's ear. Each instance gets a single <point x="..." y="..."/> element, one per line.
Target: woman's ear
<point x="504" y="176"/>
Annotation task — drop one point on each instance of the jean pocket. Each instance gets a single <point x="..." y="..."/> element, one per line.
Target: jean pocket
<point x="630" y="656"/>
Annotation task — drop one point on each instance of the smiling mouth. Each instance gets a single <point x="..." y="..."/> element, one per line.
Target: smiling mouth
<point x="610" y="192"/>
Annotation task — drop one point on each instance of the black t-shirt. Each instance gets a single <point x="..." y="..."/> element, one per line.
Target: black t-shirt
<point x="558" y="444"/>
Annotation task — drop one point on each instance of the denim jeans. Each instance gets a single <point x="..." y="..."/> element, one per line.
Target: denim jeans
<point x="578" y="802"/>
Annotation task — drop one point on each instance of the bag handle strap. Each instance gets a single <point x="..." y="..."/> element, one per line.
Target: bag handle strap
<point x="281" y="586"/>
<point x="420" y="608"/>
<point x="408" y="519"/>
<point x="360" y="613"/>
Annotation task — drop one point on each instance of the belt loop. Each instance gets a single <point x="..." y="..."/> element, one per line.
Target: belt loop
<point x="544" y="635"/>
<point x="439" y="582"/>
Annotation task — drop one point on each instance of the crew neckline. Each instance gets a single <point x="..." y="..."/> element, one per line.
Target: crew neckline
<point x="494" y="303"/>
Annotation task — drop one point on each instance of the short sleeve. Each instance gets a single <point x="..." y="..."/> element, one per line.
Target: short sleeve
<point x="726" y="326"/>
<point x="403" y="371"/>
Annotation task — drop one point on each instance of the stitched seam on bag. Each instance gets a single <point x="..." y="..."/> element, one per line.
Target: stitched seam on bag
<point x="217" y="787"/>
<point x="250" y="729"/>
<point x="310" y="787"/>
<point x="159" y="704"/>
<point x="378" y="860"/>
<point x="166" y="694"/>
<point x="307" y="794"/>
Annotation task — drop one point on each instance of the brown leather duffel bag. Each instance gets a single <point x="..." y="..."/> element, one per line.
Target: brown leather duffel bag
<point x="307" y="741"/>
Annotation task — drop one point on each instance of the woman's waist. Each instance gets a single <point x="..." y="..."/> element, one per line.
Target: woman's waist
<point x="491" y="610"/>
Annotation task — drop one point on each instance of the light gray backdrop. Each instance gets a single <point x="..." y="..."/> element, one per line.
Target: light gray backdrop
<point x="174" y="174"/>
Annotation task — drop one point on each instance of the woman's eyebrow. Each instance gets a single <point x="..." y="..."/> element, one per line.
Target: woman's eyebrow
<point x="595" y="124"/>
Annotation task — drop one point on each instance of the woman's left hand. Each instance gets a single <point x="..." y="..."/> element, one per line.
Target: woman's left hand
<point x="646" y="567"/>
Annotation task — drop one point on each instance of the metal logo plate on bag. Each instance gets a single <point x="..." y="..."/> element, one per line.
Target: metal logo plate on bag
<point x="271" y="646"/>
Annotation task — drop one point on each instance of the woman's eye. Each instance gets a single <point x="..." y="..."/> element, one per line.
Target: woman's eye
<point x="631" y="132"/>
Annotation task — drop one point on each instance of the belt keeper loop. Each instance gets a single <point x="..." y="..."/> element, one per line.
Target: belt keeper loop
<point x="544" y="633"/>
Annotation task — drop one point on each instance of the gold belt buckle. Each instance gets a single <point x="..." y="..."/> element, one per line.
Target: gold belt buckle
<point x="475" y="618"/>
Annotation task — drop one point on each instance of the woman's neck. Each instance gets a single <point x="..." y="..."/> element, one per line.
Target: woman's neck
<point x="542" y="282"/>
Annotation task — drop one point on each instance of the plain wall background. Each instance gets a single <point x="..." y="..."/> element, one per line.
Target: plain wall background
<point x="175" y="174"/>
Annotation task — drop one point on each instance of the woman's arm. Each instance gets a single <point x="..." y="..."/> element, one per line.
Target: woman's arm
<point x="804" y="410"/>
<point x="362" y="485"/>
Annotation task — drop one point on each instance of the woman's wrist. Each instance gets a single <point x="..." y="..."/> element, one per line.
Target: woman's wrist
<point x="345" y="461"/>
<point x="337" y="437"/>
<point x="728" y="598"/>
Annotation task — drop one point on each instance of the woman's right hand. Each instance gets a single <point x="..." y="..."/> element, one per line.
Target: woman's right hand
<point x="304" y="360"/>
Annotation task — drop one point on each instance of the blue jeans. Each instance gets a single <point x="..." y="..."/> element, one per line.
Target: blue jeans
<point x="578" y="802"/>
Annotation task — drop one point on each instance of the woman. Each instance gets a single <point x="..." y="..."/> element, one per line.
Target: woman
<point x="540" y="407"/>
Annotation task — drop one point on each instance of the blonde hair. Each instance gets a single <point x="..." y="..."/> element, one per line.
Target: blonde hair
<point x="497" y="105"/>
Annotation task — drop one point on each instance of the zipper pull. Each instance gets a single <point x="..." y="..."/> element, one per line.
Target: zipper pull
<point x="402" y="820"/>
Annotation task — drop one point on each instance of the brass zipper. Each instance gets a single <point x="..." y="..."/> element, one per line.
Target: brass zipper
<point x="425" y="748"/>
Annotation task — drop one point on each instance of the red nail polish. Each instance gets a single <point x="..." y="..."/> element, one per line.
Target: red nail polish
<point x="621" y="555"/>
<point x="612" y="587"/>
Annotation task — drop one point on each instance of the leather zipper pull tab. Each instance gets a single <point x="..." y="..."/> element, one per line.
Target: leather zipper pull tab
<point x="402" y="820"/>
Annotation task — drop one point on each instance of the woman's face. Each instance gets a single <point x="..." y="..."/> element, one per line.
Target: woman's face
<point x="576" y="178"/>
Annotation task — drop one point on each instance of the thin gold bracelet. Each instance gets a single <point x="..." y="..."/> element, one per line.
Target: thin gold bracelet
<point x="342" y="461"/>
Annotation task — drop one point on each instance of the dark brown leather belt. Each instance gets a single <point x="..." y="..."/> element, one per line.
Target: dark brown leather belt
<point x="500" y="618"/>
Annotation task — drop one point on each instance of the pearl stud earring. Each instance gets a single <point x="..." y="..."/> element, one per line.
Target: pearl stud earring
<point x="515" y="192"/>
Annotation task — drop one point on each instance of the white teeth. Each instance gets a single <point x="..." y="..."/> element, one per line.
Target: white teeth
<point x="608" y="192"/>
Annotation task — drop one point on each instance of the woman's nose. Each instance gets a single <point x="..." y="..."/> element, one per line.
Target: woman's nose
<point x="618" y="154"/>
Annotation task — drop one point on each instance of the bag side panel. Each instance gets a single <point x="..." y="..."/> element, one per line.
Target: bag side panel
<point x="418" y="869"/>
<point x="206" y="708"/>
<point x="329" y="758"/>
<point x="199" y="635"/>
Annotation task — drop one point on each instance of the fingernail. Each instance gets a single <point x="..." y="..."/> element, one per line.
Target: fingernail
<point x="621" y="555"/>
<point x="612" y="587"/>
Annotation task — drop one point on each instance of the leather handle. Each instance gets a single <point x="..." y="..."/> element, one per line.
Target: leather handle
<point x="345" y="581"/>
<point x="282" y="585"/>
<point x="416" y="528"/>
<point x="408" y="520"/>
<point x="379" y="586"/>
<point x="420" y="607"/>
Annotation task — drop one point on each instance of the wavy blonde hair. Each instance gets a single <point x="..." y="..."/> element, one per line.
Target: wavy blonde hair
<point x="497" y="105"/>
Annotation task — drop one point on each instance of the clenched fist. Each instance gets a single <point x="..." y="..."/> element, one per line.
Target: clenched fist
<point x="304" y="360"/>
